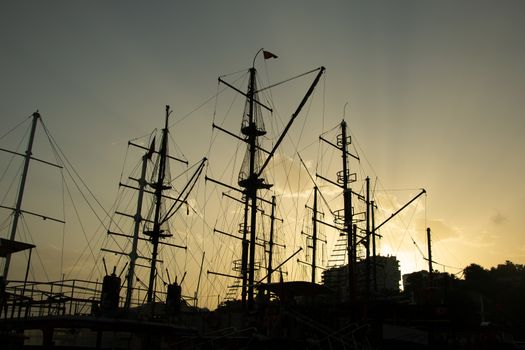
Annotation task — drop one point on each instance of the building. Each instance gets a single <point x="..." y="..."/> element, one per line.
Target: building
<point x="386" y="282"/>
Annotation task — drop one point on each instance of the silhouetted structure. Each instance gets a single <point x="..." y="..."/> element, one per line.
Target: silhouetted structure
<point x="388" y="277"/>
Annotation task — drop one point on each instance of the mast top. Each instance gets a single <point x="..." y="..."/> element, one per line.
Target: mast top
<point x="167" y="117"/>
<point x="254" y="57"/>
<point x="266" y="55"/>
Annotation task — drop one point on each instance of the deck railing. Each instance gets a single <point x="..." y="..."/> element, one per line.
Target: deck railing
<point x="66" y="297"/>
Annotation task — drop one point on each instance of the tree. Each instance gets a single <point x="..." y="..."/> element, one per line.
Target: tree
<point x="476" y="277"/>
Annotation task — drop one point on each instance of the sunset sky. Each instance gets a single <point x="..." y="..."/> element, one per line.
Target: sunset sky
<point x="435" y="94"/>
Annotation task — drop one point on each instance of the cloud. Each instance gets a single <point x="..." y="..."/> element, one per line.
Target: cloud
<point x="439" y="229"/>
<point x="388" y="202"/>
<point x="290" y="177"/>
<point x="483" y="240"/>
<point x="498" y="219"/>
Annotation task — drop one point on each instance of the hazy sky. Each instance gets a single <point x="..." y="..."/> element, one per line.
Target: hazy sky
<point x="435" y="93"/>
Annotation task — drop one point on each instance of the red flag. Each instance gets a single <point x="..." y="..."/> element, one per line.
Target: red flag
<point x="268" y="54"/>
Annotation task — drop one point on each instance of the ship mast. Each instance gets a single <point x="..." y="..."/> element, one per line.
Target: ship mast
<point x="373" y="230"/>
<point x="138" y="220"/>
<point x="314" y="235"/>
<point x="271" y="243"/>
<point x="156" y="234"/>
<point x="250" y="177"/>
<point x="347" y="205"/>
<point x="430" y="270"/>
<point x="367" y="236"/>
<point x="345" y="216"/>
<point x="253" y="181"/>
<point x="17" y="211"/>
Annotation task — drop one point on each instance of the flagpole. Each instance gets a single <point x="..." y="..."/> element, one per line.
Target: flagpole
<point x="253" y="64"/>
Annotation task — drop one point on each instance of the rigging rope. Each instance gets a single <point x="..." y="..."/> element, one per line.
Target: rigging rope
<point x="199" y="106"/>
<point x="81" y="226"/>
<point x="63" y="158"/>
<point x="17" y="175"/>
<point x="322" y="196"/>
<point x="195" y="176"/>
<point x="27" y="232"/>
<point x="16" y="126"/>
<point x="22" y="139"/>
<point x="287" y="80"/>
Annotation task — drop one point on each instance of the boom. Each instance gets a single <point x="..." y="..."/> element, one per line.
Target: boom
<point x="423" y="191"/>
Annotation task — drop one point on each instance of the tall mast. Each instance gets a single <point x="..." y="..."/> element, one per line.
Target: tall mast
<point x="138" y="220"/>
<point x="348" y="219"/>
<point x="429" y="257"/>
<point x="252" y="188"/>
<point x="244" y="256"/>
<point x="367" y="241"/>
<point x="374" y="269"/>
<point x="270" y="243"/>
<point x="159" y="186"/>
<point x="314" y="235"/>
<point x="199" y="281"/>
<point x="17" y="211"/>
<point x="250" y="178"/>
<point x="251" y="182"/>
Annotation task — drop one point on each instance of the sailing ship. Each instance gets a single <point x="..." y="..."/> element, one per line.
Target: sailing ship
<point x="349" y="301"/>
<point x="74" y="304"/>
<point x="93" y="314"/>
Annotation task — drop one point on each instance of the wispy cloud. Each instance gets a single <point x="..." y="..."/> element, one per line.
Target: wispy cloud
<point x="498" y="219"/>
<point x="290" y="177"/>
<point x="483" y="240"/>
<point x="439" y="229"/>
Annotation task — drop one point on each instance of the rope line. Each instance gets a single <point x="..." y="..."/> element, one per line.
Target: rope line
<point x="16" y="126"/>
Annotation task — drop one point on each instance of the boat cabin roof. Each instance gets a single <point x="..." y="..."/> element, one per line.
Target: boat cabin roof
<point x="8" y="246"/>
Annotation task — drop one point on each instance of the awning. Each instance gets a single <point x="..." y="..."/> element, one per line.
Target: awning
<point x="8" y="246"/>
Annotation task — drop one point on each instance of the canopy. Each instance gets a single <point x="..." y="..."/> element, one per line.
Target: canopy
<point x="8" y="246"/>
